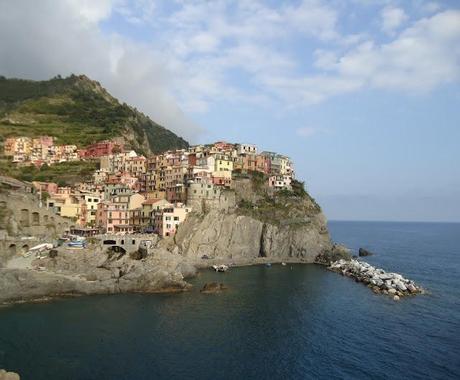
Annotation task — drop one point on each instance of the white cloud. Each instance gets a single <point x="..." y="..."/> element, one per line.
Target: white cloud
<point x="392" y="19"/>
<point x="423" y="56"/>
<point x="64" y="37"/>
<point x="246" y="52"/>
<point x="430" y="6"/>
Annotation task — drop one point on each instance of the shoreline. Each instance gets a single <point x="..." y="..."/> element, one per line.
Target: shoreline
<point x="199" y="266"/>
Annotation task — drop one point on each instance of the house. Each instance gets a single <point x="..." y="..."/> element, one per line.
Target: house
<point x="150" y="207"/>
<point x="90" y="200"/>
<point x="222" y="163"/>
<point x="242" y="149"/>
<point x="167" y="220"/>
<point x="279" y="164"/>
<point x="249" y="162"/>
<point x="280" y="182"/>
<point x="115" y="215"/>
<point x="263" y="164"/>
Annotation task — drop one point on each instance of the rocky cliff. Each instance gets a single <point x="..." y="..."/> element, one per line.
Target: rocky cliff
<point x="284" y="226"/>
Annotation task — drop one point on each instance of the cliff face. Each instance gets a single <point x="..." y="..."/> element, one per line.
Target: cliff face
<point x="233" y="236"/>
<point x="286" y="226"/>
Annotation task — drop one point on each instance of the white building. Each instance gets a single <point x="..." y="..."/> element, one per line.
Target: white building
<point x="280" y="182"/>
<point x="168" y="219"/>
<point x="246" y="149"/>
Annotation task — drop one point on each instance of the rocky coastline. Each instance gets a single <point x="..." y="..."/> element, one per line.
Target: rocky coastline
<point x="380" y="281"/>
<point x="257" y="227"/>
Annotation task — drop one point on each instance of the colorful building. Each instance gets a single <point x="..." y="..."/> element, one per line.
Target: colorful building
<point x="167" y="221"/>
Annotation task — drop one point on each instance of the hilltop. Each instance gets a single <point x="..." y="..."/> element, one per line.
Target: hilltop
<point x="77" y="110"/>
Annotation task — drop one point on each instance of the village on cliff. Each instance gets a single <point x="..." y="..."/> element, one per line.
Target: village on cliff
<point x="131" y="193"/>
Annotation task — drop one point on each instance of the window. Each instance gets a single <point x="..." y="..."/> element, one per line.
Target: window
<point x="176" y="218"/>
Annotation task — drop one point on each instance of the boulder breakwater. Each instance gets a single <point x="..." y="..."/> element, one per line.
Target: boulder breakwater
<point x="381" y="282"/>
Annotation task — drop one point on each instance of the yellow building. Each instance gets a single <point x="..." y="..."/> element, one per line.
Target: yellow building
<point x="223" y="163"/>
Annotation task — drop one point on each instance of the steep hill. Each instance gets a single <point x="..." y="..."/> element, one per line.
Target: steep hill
<point x="77" y="110"/>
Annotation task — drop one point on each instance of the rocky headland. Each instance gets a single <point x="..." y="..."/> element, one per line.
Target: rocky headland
<point x="252" y="225"/>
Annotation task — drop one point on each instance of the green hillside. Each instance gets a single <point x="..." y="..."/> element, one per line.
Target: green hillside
<point x="77" y="110"/>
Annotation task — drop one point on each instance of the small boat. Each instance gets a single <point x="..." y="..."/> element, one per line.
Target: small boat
<point x="220" y="268"/>
<point x="283" y="264"/>
<point x="268" y="265"/>
<point x="76" y="244"/>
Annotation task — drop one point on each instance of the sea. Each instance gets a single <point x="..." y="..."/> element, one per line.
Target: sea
<point x="278" y="322"/>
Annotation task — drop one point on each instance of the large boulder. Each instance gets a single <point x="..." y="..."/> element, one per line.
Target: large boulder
<point x="4" y="375"/>
<point x="364" y="252"/>
<point x="336" y="253"/>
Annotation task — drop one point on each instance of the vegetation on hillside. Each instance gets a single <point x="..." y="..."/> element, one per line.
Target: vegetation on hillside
<point x="65" y="173"/>
<point x="78" y="111"/>
<point x="291" y="207"/>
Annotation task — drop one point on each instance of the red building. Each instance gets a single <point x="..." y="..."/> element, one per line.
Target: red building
<point x="99" y="149"/>
<point x="223" y="146"/>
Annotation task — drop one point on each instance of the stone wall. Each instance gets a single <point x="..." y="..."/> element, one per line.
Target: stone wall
<point x="216" y="199"/>
<point x="22" y="216"/>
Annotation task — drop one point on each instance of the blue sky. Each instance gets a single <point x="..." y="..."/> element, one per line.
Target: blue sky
<point x="363" y="95"/>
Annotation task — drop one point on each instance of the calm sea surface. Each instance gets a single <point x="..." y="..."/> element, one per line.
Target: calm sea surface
<point x="293" y="322"/>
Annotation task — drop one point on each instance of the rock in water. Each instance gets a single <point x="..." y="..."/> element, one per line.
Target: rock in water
<point x="213" y="287"/>
<point x="4" y="375"/>
<point x="364" y="252"/>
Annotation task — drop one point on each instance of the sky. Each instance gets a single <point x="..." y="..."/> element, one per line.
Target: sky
<point x="363" y="95"/>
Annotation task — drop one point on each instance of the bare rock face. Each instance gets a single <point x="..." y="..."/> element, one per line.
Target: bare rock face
<point x="93" y="272"/>
<point x="229" y="235"/>
<point x="219" y="235"/>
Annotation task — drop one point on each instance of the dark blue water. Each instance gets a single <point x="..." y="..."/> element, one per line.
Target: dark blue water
<point x="273" y="323"/>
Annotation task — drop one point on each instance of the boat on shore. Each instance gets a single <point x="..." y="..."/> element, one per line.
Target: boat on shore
<point x="38" y="249"/>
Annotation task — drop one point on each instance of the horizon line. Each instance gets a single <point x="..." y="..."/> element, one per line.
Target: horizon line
<point x="393" y="221"/>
